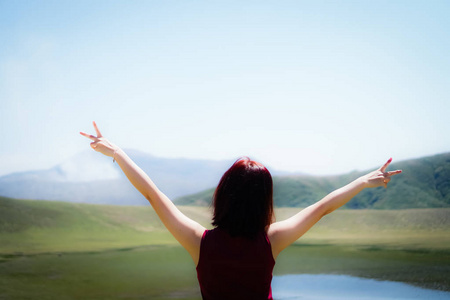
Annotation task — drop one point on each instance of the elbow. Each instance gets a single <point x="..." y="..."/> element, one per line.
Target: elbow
<point x="323" y="209"/>
<point x="149" y="199"/>
<point x="326" y="212"/>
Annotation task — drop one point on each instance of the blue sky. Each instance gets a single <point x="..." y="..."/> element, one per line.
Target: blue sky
<point x="322" y="87"/>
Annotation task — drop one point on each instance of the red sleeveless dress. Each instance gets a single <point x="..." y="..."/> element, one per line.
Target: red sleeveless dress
<point x="235" y="267"/>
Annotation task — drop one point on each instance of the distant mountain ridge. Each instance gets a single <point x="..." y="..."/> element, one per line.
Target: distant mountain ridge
<point x="424" y="183"/>
<point x="93" y="178"/>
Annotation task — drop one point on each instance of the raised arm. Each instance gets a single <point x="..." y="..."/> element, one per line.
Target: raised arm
<point x="284" y="233"/>
<point x="186" y="231"/>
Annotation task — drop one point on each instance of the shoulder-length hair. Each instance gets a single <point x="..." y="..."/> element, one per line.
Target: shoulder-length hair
<point x="243" y="200"/>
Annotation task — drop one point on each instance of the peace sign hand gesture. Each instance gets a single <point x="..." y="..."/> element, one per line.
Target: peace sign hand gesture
<point x="380" y="177"/>
<point x="101" y="144"/>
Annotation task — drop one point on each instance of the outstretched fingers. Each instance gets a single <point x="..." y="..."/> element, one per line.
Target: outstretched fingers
<point x="386" y="176"/>
<point x="92" y="137"/>
<point x="383" y="168"/>
<point x="97" y="130"/>
<point x="89" y="136"/>
<point x="391" y="173"/>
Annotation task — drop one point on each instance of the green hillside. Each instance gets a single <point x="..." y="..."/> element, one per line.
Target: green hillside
<point x="33" y="226"/>
<point x="424" y="183"/>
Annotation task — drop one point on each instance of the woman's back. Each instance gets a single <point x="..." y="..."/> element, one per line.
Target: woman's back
<point x="235" y="267"/>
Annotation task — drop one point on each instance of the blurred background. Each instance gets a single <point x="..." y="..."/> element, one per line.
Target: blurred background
<point x="319" y="91"/>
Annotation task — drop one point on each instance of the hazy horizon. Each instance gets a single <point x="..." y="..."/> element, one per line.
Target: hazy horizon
<point x="275" y="171"/>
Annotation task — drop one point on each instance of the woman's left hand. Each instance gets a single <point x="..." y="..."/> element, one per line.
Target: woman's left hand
<point x="101" y="144"/>
<point x="380" y="177"/>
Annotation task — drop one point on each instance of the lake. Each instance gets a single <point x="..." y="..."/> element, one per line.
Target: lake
<point x="324" y="287"/>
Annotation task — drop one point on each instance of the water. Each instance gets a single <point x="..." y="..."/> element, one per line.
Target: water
<point x="337" y="287"/>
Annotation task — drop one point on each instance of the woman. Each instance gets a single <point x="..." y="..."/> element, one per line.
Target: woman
<point x="235" y="260"/>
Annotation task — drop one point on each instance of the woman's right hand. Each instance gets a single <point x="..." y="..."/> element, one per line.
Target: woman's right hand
<point x="380" y="177"/>
<point x="101" y="144"/>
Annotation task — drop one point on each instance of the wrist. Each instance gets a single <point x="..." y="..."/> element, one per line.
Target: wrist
<point x="363" y="181"/>
<point x="115" y="153"/>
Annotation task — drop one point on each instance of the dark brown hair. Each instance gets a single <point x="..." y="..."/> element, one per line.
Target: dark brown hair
<point x="243" y="200"/>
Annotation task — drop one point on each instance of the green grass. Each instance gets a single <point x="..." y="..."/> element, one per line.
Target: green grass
<point x="154" y="272"/>
<point x="30" y="226"/>
<point x="79" y="251"/>
<point x="393" y="229"/>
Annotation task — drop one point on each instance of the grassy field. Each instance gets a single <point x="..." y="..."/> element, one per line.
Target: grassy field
<point x="62" y="250"/>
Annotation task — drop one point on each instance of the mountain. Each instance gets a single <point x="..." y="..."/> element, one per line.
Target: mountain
<point x="93" y="178"/>
<point x="424" y="183"/>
